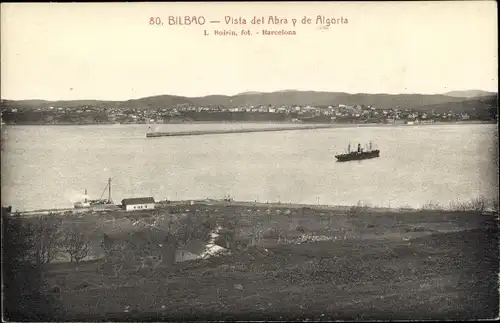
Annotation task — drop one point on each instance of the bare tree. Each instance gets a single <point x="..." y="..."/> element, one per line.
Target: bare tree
<point x="278" y="228"/>
<point x="284" y="226"/>
<point x="23" y="294"/>
<point x="229" y="232"/>
<point x="193" y="227"/>
<point x="477" y="205"/>
<point x="334" y="229"/>
<point x="258" y="231"/>
<point x="117" y="253"/>
<point x="358" y="209"/>
<point x="46" y="238"/>
<point x="76" y="244"/>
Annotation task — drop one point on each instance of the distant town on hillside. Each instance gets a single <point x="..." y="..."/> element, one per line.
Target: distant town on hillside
<point x="281" y="106"/>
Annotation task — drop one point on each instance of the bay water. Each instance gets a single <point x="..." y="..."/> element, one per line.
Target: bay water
<point x="51" y="166"/>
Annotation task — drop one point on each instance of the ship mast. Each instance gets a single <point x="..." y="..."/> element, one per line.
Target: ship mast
<point x="85" y="195"/>
<point x="109" y="190"/>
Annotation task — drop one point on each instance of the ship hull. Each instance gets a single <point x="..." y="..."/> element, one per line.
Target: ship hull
<point x="358" y="156"/>
<point x="82" y="205"/>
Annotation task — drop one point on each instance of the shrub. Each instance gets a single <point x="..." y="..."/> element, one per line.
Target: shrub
<point x="357" y="209"/>
<point x="431" y="206"/>
<point x="300" y="229"/>
<point x="477" y="205"/>
<point x="272" y="234"/>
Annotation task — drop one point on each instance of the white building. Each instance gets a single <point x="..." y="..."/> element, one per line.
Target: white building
<point x="138" y="203"/>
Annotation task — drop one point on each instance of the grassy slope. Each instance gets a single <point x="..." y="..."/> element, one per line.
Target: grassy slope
<point x="447" y="270"/>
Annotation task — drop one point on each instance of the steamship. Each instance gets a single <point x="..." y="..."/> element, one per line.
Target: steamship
<point x="358" y="154"/>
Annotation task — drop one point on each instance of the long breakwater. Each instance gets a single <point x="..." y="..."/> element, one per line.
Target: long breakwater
<point x="310" y="127"/>
<point x="217" y="132"/>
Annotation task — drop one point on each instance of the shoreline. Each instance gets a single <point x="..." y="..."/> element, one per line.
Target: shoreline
<point x="333" y="125"/>
<point x="160" y="205"/>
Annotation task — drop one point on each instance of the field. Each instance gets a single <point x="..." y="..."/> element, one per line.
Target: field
<point x="370" y="265"/>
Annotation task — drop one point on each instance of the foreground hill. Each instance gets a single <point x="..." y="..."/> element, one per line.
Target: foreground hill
<point x="367" y="266"/>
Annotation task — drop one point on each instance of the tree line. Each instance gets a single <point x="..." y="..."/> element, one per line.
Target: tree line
<point x="26" y="246"/>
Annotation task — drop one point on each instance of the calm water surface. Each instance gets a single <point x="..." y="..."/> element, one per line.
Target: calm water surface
<point x="50" y="166"/>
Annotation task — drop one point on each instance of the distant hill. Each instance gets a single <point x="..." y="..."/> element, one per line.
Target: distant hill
<point x="468" y="93"/>
<point x="482" y="106"/>
<point x="32" y="104"/>
<point x="249" y="92"/>
<point x="313" y="98"/>
<point x="287" y="97"/>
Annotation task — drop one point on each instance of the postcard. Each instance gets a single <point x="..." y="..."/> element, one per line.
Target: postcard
<point x="183" y="161"/>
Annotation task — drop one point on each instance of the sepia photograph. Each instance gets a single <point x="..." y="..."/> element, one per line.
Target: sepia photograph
<point x="249" y="161"/>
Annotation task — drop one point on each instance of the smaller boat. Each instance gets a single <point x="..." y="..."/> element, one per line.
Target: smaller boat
<point x="86" y="203"/>
<point x="82" y="204"/>
<point x="358" y="154"/>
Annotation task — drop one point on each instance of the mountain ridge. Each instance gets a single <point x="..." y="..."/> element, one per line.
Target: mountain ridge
<point x="277" y="98"/>
<point x="469" y="93"/>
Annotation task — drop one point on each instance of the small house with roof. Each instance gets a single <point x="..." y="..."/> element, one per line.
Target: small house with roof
<point x="138" y="203"/>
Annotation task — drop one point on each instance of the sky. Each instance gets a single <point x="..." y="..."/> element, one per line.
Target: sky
<point x="108" y="51"/>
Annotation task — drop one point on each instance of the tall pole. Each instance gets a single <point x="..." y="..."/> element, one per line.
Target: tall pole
<point x="109" y="190"/>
